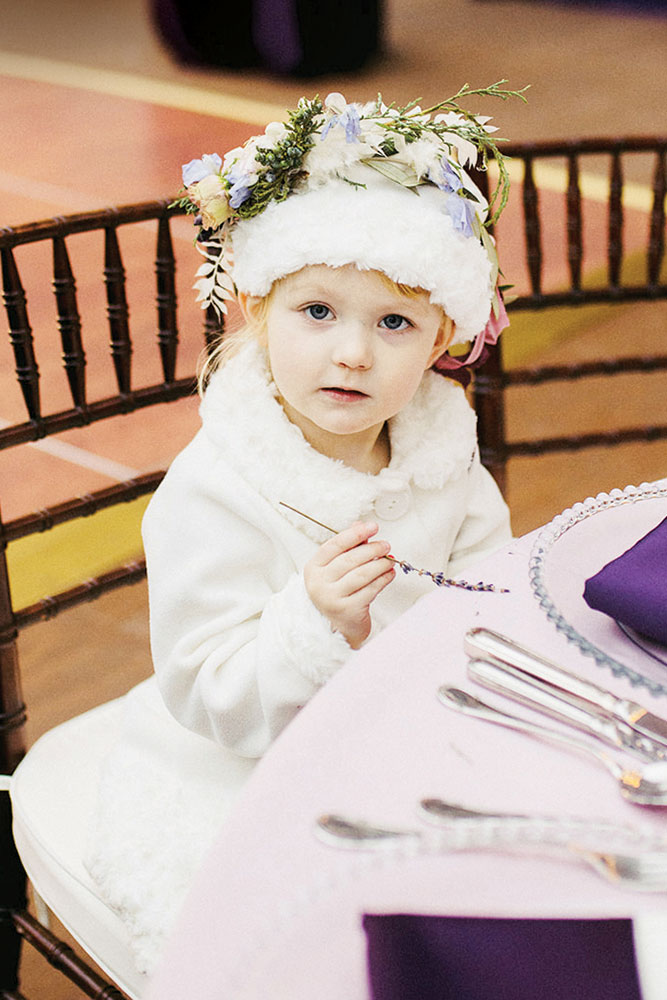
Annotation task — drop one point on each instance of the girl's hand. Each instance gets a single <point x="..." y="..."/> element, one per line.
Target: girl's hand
<point x="345" y="576"/>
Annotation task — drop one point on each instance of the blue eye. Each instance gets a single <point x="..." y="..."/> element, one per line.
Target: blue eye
<point x="318" y="311"/>
<point x="394" y="322"/>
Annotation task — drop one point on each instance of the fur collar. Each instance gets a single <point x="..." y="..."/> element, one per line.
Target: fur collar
<point x="433" y="441"/>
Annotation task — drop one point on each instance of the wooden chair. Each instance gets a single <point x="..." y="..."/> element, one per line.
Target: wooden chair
<point x="492" y="385"/>
<point x="619" y="275"/>
<point x="101" y="234"/>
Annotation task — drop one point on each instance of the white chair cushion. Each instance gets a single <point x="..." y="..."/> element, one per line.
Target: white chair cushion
<point x="113" y="812"/>
<point x="54" y="792"/>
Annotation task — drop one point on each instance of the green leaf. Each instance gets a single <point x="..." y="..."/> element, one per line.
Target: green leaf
<point x="400" y="173"/>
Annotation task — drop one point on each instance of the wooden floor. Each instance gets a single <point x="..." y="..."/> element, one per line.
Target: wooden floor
<point x="96" y="112"/>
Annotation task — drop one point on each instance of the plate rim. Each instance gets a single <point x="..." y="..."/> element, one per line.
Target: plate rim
<point x="547" y="537"/>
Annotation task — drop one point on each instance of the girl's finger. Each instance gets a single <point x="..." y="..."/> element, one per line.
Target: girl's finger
<point x="367" y="593"/>
<point x="345" y="540"/>
<point x="365" y="554"/>
<point x="360" y="577"/>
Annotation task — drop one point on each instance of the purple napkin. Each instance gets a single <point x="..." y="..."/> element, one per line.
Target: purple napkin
<point x="479" y="958"/>
<point x="632" y="589"/>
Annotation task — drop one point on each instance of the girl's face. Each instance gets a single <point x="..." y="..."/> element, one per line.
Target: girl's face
<point x="347" y="352"/>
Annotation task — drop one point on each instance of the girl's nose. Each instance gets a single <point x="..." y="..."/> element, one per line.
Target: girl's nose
<point x="352" y="347"/>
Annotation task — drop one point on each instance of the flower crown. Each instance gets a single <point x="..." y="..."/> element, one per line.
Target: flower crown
<point x="327" y="141"/>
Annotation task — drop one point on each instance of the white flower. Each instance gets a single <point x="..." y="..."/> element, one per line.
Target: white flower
<point x="193" y="171"/>
<point x="241" y="161"/>
<point x="335" y="103"/>
<point x="400" y="143"/>
<point x="333" y="153"/>
<point x="416" y="113"/>
<point x="274" y="133"/>
<point x="482" y="120"/>
<point x="372" y="134"/>
<point x="332" y="156"/>
<point x="423" y="154"/>
<point x="452" y="118"/>
<point x="467" y="151"/>
<point x="386" y="112"/>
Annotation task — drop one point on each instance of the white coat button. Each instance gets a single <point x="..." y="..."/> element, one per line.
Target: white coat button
<point x="392" y="503"/>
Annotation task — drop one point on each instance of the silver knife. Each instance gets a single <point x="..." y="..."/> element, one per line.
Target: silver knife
<point x="490" y="645"/>
<point x="534" y="693"/>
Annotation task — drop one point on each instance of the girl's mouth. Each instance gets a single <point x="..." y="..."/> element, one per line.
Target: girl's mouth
<point x="336" y="392"/>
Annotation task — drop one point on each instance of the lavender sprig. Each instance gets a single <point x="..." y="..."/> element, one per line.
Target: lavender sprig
<point x="439" y="578"/>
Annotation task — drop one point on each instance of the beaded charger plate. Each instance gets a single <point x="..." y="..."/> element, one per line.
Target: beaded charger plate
<point x="575" y="546"/>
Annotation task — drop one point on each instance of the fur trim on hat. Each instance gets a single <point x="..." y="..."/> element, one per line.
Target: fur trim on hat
<point x="381" y="226"/>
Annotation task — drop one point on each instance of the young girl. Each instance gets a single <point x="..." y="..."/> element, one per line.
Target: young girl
<point x="355" y="243"/>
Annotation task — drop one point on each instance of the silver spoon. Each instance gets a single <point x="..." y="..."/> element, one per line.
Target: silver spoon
<point x="644" y="786"/>
<point x="646" y="871"/>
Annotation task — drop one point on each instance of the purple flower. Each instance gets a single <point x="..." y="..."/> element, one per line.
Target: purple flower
<point x="447" y="179"/>
<point x="238" y="193"/>
<point x="349" y="120"/>
<point x="196" y="170"/>
<point x="240" y="185"/>
<point x="459" y="208"/>
<point x="462" y="212"/>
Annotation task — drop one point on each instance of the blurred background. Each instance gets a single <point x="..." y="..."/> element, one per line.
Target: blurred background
<point x="595" y="67"/>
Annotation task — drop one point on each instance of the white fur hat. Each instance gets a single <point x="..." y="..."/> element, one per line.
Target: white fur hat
<point x="379" y="187"/>
<point x="405" y="232"/>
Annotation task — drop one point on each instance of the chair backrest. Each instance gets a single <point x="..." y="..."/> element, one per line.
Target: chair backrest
<point x="113" y="253"/>
<point x="592" y="214"/>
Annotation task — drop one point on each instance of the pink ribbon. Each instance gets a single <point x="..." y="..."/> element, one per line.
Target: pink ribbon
<point x="489" y="335"/>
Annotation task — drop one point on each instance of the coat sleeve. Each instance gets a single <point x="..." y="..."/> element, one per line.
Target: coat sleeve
<point x="486" y="526"/>
<point x="238" y="647"/>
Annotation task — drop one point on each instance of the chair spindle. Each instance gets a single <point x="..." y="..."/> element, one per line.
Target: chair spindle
<point x="615" y="246"/>
<point x="69" y="322"/>
<point x="117" y="309"/>
<point x="165" y="270"/>
<point x="532" y="228"/>
<point x="12" y="707"/>
<point x="62" y="957"/>
<point x="574" y="226"/>
<point x="20" y="334"/>
<point x="488" y="389"/>
<point x="656" y="245"/>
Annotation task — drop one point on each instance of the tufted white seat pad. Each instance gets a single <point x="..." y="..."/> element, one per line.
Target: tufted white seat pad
<point x="54" y="793"/>
<point x="114" y="811"/>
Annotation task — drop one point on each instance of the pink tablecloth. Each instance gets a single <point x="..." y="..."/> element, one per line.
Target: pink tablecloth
<point x="277" y="913"/>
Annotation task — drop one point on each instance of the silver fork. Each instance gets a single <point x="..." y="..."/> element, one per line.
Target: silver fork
<point x="640" y="871"/>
